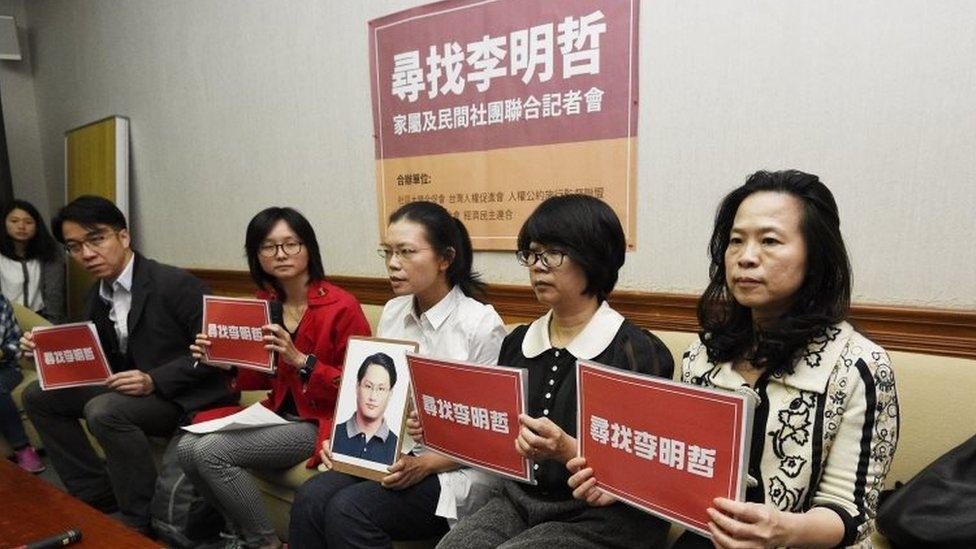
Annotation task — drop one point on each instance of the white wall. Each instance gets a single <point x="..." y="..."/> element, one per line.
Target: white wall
<point x="239" y="104"/>
<point x="20" y="116"/>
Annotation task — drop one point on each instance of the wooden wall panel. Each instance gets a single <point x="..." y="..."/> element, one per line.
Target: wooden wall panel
<point x="930" y="331"/>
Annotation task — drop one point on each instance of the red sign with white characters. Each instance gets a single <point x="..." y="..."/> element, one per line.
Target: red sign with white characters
<point x="233" y="326"/>
<point x="69" y="355"/>
<point x="469" y="412"/>
<point x="668" y="448"/>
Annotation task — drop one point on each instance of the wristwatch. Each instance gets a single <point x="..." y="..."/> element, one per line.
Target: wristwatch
<point x="306" y="370"/>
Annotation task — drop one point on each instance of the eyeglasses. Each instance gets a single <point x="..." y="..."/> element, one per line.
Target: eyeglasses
<point x="93" y="242"/>
<point x="550" y="258"/>
<point x="404" y="254"/>
<point x="271" y="250"/>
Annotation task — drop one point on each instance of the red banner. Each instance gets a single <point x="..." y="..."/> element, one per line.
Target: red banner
<point x="234" y="328"/>
<point x="69" y="355"/>
<point x="668" y="448"/>
<point x="489" y="107"/>
<point x="477" y="427"/>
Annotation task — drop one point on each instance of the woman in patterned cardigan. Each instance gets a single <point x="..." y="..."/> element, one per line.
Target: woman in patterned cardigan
<point x="774" y="319"/>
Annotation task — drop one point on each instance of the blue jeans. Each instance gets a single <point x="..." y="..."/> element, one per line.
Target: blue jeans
<point x="339" y="510"/>
<point x="10" y="424"/>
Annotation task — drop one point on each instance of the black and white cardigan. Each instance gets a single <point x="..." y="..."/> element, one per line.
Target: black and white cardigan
<point x="829" y="430"/>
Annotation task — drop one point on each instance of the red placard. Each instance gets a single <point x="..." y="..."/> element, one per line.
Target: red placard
<point x="69" y="355"/>
<point x="234" y="328"/>
<point x="668" y="448"/>
<point x="477" y="427"/>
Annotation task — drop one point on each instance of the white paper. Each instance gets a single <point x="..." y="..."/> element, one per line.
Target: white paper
<point x="255" y="415"/>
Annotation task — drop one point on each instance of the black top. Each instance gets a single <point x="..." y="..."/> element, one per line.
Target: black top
<point x="552" y="387"/>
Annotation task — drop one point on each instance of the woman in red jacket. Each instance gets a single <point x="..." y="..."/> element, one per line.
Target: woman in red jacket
<point x="318" y="318"/>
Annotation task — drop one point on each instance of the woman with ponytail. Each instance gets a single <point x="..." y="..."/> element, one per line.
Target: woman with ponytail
<point x="428" y="258"/>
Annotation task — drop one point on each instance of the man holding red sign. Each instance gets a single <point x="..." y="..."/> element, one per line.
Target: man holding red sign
<point x="146" y="315"/>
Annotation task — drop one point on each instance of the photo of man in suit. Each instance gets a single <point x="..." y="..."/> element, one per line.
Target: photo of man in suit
<point x="366" y="434"/>
<point x="146" y="314"/>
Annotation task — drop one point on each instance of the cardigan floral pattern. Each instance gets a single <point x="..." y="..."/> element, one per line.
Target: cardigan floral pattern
<point x="829" y="430"/>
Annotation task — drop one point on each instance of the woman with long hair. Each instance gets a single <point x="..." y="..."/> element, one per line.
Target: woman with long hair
<point x="31" y="263"/>
<point x="429" y="260"/>
<point x="774" y="318"/>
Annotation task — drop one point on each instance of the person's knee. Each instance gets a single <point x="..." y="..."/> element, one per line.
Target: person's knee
<point x="312" y="498"/>
<point x="34" y="398"/>
<point x="103" y="413"/>
<point x="187" y="452"/>
<point x="343" y="513"/>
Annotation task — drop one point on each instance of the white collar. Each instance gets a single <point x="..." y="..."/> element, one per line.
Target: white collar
<point x="437" y="314"/>
<point x="593" y="340"/>
<point x="352" y="429"/>
<point x="106" y="289"/>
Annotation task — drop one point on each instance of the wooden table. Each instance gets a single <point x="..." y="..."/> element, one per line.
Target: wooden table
<point x="31" y="509"/>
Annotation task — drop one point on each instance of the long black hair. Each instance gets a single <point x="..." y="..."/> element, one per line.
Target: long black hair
<point x="588" y="230"/>
<point x="727" y="328"/>
<point x="41" y="247"/>
<point x="449" y="238"/>
<point x="258" y="229"/>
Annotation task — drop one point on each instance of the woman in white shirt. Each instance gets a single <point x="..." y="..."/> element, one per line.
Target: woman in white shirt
<point x="31" y="265"/>
<point x="429" y="258"/>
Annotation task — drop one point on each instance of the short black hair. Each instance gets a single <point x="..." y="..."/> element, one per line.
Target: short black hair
<point x="448" y="236"/>
<point x="88" y="211"/>
<point x="258" y="229"/>
<point x="727" y="329"/>
<point x="42" y="246"/>
<point x="588" y="230"/>
<point x="380" y="359"/>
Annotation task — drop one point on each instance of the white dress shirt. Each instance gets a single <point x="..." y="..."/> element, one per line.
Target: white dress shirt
<point x="12" y="282"/>
<point x="118" y="294"/>
<point x="457" y="328"/>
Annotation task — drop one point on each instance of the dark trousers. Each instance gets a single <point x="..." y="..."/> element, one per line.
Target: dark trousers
<point x="10" y="426"/>
<point x="337" y="510"/>
<point x="121" y="424"/>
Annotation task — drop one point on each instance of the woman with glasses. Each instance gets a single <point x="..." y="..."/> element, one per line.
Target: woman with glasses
<point x="573" y="246"/>
<point x="31" y="265"/>
<point x="428" y="257"/>
<point x="773" y="318"/>
<point x="317" y="320"/>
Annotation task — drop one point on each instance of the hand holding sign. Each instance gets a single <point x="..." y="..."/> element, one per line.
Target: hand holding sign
<point x="414" y="429"/>
<point x="27" y="345"/>
<point x="278" y="339"/>
<point x="583" y="484"/>
<point x="198" y="350"/>
<point x="745" y="524"/>
<point x="407" y="471"/>
<point x="540" y="439"/>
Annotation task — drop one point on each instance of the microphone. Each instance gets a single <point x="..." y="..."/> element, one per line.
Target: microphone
<point x="277" y="312"/>
<point x="59" y="540"/>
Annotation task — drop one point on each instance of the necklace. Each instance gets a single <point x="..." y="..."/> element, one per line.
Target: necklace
<point x="293" y="315"/>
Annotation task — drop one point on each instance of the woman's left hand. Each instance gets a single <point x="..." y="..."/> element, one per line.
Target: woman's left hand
<point x="745" y="525"/>
<point x="414" y="429"/>
<point x="278" y="340"/>
<point x="407" y="471"/>
<point x="540" y="439"/>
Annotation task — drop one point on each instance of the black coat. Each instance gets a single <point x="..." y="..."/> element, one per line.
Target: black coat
<point x="165" y="316"/>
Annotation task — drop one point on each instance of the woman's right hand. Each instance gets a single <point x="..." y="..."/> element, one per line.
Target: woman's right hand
<point x="27" y="345"/>
<point x="583" y="484"/>
<point x="414" y="429"/>
<point x="197" y="350"/>
<point x="326" y="456"/>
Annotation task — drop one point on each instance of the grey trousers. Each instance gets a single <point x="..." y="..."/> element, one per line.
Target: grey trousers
<point x="515" y="518"/>
<point x="121" y="424"/>
<point x="215" y="463"/>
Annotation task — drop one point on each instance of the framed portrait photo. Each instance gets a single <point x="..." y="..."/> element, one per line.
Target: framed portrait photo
<point x="371" y="411"/>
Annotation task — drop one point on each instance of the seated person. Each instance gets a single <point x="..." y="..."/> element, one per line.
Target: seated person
<point x="286" y="265"/>
<point x="366" y="435"/>
<point x="31" y="264"/>
<point x="10" y="425"/>
<point x="573" y="246"/>
<point x="146" y="314"/>
<point x="428" y="256"/>
<point x="773" y="318"/>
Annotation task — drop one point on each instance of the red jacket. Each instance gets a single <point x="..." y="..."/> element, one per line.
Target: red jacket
<point x="333" y="315"/>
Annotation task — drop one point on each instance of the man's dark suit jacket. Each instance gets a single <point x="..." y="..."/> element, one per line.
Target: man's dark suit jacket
<point x="166" y="315"/>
